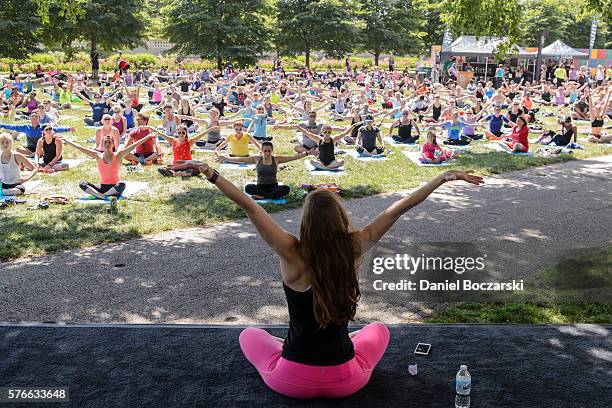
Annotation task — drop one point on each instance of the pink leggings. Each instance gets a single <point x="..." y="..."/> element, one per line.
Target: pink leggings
<point x="298" y="380"/>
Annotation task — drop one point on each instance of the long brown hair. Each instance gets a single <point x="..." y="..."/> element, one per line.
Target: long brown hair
<point x="331" y="246"/>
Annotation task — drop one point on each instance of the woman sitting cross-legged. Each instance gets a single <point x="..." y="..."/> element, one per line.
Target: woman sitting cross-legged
<point x="181" y="149"/>
<point x="367" y="137"/>
<point x="108" y="167"/>
<point x="267" y="186"/>
<point x="10" y="163"/>
<point x="326" y="145"/>
<point x="320" y="277"/>
<point x="239" y="143"/>
<point x="48" y="155"/>
<point x="404" y="125"/>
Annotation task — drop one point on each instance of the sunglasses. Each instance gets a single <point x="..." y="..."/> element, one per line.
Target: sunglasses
<point x="182" y="133"/>
<point x="47" y="130"/>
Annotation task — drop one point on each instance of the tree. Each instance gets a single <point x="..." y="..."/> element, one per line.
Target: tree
<point x="221" y="30"/>
<point x="485" y="18"/>
<point x="564" y="20"/>
<point x="430" y="11"/>
<point x="103" y="24"/>
<point x="19" y="23"/>
<point x="390" y="26"/>
<point x="325" y="25"/>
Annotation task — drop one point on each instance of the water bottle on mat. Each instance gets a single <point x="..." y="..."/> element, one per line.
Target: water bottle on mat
<point x="463" y="386"/>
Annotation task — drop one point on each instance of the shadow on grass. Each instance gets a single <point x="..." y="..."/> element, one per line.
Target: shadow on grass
<point x="577" y="290"/>
<point x="61" y="228"/>
<point x="498" y="163"/>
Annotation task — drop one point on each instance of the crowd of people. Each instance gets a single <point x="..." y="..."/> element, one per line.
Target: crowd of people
<point x="195" y="109"/>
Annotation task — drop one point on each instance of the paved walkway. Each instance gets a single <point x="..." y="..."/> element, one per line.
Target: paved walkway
<point x="226" y="274"/>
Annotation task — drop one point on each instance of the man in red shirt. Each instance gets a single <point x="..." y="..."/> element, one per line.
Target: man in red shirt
<point x="145" y="153"/>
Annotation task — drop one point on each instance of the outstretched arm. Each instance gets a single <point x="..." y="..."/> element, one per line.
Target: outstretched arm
<point x="89" y="152"/>
<point x="281" y="241"/>
<point x="374" y="231"/>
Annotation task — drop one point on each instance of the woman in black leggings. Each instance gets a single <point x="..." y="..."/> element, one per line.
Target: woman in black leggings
<point x="568" y="131"/>
<point x="267" y="186"/>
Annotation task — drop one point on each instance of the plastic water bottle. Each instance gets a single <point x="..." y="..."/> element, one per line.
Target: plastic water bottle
<point x="463" y="386"/>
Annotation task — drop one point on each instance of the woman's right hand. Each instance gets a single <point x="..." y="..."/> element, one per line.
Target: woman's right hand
<point x="453" y="175"/>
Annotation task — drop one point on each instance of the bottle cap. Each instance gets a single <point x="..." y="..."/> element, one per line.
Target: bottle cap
<point x="463" y="367"/>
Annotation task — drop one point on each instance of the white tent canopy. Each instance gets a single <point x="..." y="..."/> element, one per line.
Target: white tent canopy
<point x="472" y="46"/>
<point x="559" y="49"/>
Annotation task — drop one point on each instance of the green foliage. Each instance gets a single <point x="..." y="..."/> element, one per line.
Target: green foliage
<point x="103" y="24"/>
<point x="325" y="25"/>
<point x="565" y="21"/>
<point x="19" y="24"/>
<point x="390" y="26"/>
<point x="485" y="18"/>
<point x="216" y="29"/>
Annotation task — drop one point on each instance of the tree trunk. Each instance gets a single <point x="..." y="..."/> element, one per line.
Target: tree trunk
<point x="219" y="63"/>
<point x="308" y="58"/>
<point x="94" y="49"/>
<point x="376" y="58"/>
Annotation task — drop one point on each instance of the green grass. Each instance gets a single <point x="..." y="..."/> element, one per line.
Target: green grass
<point x="573" y="291"/>
<point x="180" y="203"/>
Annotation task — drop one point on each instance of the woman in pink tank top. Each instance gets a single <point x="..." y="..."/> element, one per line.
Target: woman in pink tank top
<point x="108" y="162"/>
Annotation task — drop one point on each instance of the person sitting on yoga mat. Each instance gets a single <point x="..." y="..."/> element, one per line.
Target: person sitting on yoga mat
<point x="454" y="131"/>
<point x="320" y="278"/>
<point x="519" y="138"/>
<point x="107" y="129"/>
<point x="471" y="122"/>
<point x="597" y="112"/>
<point x="48" y="155"/>
<point x="267" y="186"/>
<point x="148" y="152"/>
<point x="10" y="164"/>
<point x="214" y="138"/>
<point x="568" y="131"/>
<point x="181" y="149"/>
<point x="239" y="143"/>
<point x="108" y="162"/>
<point x="326" y="145"/>
<point x="496" y="121"/>
<point x="367" y="137"/>
<point x="432" y="153"/>
<point x="404" y="129"/>
<point x="259" y="124"/>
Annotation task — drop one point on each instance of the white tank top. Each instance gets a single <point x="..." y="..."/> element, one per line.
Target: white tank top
<point x="9" y="172"/>
<point x="171" y="126"/>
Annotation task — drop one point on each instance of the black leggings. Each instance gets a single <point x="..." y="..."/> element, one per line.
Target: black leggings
<point x="407" y="140"/>
<point x="269" y="191"/>
<point x="91" y="122"/>
<point x="559" y="139"/>
<point x="376" y="150"/>
<point x="461" y="142"/>
<point x="103" y="190"/>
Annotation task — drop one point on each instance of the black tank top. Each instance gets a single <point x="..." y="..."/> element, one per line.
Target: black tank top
<point x="49" y="151"/>
<point x="306" y="343"/>
<point x="436" y="111"/>
<point x="404" y="131"/>
<point x="326" y="152"/>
